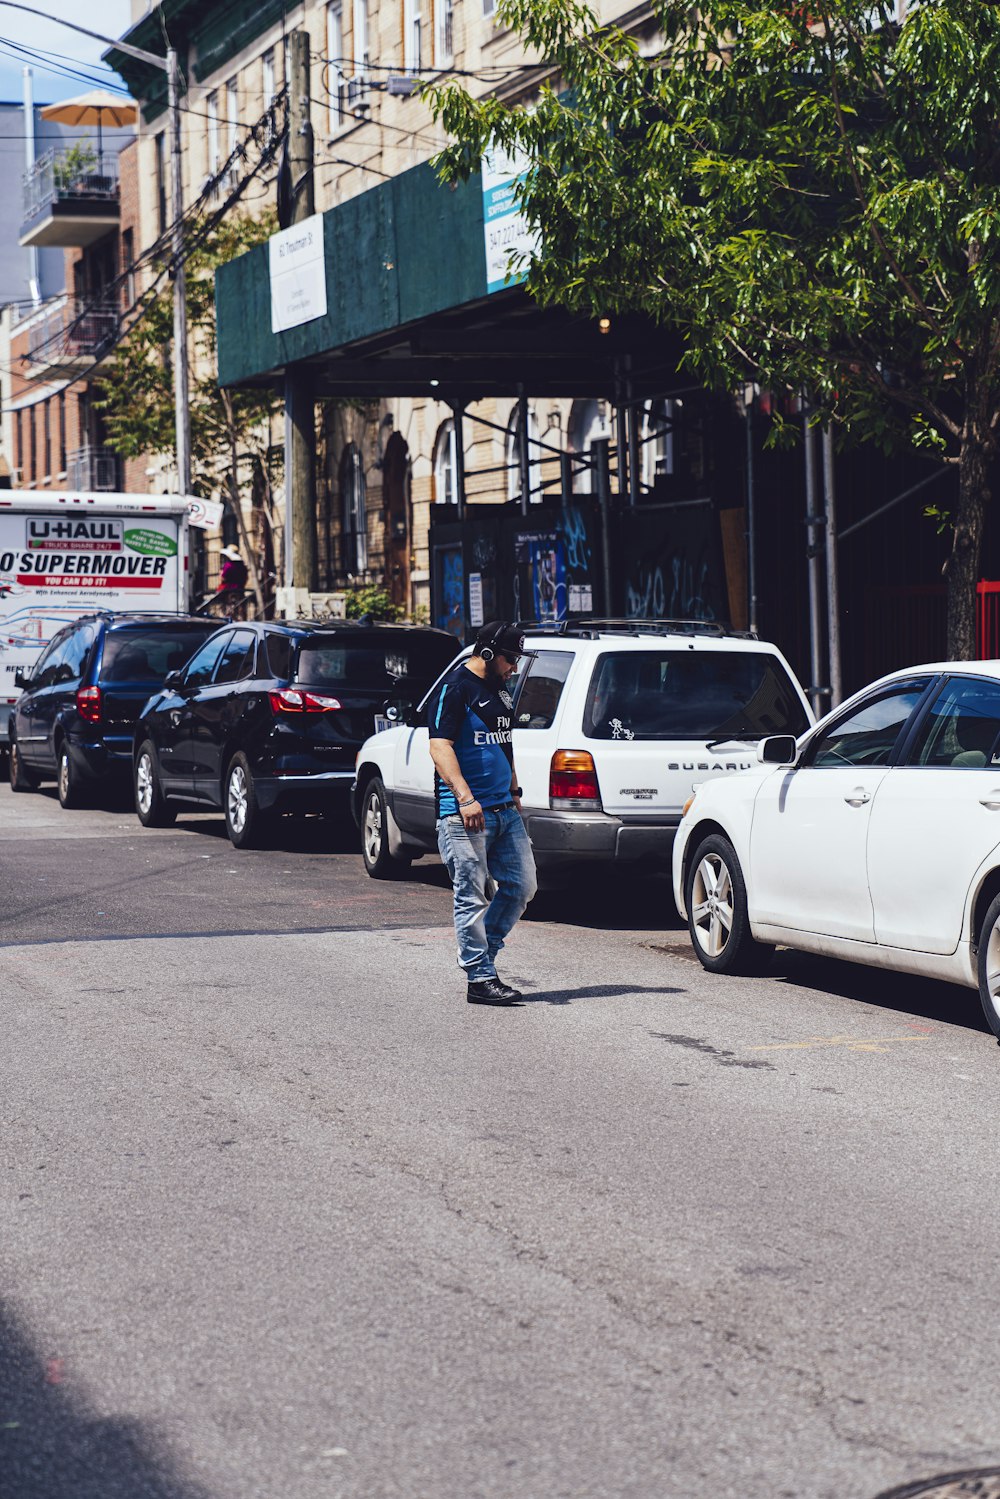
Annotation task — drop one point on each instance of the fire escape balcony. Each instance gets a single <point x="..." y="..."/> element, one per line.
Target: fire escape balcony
<point x="74" y="341"/>
<point x="70" y="198"/>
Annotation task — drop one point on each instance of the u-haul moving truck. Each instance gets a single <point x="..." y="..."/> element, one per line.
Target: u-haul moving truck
<point x="63" y="555"/>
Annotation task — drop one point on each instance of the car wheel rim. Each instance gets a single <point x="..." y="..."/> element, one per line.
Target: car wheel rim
<point x="144" y="784"/>
<point x="237" y="799"/>
<point x="64" y="774"/>
<point x="373" y="829"/>
<point x="712" y="905"/>
<point x="993" y="967"/>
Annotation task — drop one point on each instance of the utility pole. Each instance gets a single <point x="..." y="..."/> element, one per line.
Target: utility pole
<point x="182" y="410"/>
<point x="300" y="408"/>
<point x="814" y="551"/>
<point x="832" y="572"/>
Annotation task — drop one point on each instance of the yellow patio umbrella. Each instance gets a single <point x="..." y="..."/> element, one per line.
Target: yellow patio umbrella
<point x="96" y="108"/>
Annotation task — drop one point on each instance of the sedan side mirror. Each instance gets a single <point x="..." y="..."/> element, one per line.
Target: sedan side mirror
<point x="777" y="749"/>
<point x="173" y="679"/>
<point x="20" y="677"/>
<point x="400" y="710"/>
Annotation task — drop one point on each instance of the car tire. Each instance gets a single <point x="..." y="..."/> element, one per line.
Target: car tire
<point x="718" y="920"/>
<point x="69" y="789"/>
<point x="21" y="778"/>
<point x="151" y="806"/>
<point x="379" y="863"/>
<point x="989" y="966"/>
<point x="246" y="824"/>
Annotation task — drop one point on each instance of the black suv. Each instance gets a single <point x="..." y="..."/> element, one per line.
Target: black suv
<point x="75" y="719"/>
<point x="269" y="717"/>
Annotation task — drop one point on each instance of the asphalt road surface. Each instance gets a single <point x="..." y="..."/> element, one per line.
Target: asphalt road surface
<point x="282" y="1216"/>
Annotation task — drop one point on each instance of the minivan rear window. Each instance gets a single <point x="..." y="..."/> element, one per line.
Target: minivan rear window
<point x="683" y="694"/>
<point x="147" y="655"/>
<point x="373" y="664"/>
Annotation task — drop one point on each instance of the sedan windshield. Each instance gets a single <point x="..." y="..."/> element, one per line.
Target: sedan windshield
<point x="684" y="694"/>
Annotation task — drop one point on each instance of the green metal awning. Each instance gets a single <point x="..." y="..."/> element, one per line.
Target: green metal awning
<point x="409" y="314"/>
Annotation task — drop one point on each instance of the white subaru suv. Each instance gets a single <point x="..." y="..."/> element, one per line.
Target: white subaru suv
<point x="615" y="721"/>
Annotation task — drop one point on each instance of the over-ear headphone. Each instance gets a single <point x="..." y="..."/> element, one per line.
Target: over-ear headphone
<point x="486" y="651"/>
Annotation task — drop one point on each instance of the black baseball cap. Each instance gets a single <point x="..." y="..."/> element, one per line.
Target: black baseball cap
<point x="500" y="635"/>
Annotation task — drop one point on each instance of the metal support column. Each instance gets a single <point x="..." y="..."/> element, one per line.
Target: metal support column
<point x="566" y="479"/>
<point x="601" y="459"/>
<point x="814" y="521"/>
<point x="634" y="467"/>
<point x="832" y="571"/>
<point x="523" y="456"/>
<point x="458" y="419"/>
<point x="751" y="526"/>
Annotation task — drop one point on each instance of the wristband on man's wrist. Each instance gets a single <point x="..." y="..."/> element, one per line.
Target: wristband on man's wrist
<point x="516" y="791"/>
<point x="468" y="802"/>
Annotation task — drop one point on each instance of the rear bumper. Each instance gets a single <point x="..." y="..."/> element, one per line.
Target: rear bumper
<point x="557" y="836"/>
<point x="321" y="791"/>
<point x="102" y="759"/>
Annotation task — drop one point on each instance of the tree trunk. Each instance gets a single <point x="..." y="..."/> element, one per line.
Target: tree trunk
<point x="962" y="568"/>
<point x="237" y="508"/>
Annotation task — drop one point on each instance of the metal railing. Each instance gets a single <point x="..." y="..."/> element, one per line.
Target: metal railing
<point x="70" y="176"/>
<point x="91" y="469"/>
<point x="77" y="329"/>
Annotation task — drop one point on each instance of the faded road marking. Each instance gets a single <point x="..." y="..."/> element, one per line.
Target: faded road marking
<point x="851" y="1043"/>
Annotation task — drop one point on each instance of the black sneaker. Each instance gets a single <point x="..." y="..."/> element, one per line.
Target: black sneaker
<point x="492" y="992"/>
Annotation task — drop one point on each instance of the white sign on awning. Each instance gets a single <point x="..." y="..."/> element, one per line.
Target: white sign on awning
<point x="509" y="239"/>
<point x="298" y="274"/>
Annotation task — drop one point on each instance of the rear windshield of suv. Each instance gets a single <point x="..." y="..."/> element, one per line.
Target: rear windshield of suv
<point x="145" y="655"/>
<point x="685" y="694"/>
<point x="374" y="665"/>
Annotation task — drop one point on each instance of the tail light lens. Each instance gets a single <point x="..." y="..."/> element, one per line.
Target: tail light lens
<point x="88" y="704"/>
<point x="573" y="781"/>
<point x="297" y="700"/>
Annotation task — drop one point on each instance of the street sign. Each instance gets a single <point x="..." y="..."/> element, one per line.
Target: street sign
<point x="298" y="274"/>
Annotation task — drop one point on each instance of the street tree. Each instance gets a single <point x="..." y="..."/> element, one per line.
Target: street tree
<point x="809" y="193"/>
<point x="229" y="429"/>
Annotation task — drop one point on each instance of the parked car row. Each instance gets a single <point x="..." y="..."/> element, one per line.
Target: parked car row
<point x="873" y="835"/>
<point x="252" y="720"/>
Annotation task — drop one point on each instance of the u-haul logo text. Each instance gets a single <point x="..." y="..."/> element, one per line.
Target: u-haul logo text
<point x="79" y="534"/>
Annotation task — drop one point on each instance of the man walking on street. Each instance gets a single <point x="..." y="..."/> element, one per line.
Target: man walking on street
<point x="480" y="832"/>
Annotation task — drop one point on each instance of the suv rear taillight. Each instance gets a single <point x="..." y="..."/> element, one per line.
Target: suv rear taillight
<point x="296" y="700"/>
<point x="573" y="781"/>
<point x="88" y="704"/>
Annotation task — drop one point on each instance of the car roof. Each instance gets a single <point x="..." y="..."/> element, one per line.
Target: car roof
<point x="352" y="626"/>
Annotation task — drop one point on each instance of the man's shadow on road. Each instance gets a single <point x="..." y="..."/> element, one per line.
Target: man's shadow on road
<point x="590" y="991"/>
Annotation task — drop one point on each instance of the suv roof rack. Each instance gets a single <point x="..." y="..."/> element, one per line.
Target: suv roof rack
<point x="591" y="629"/>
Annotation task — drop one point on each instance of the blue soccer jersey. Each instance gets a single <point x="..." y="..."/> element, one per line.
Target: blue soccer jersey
<point x="476" y="715"/>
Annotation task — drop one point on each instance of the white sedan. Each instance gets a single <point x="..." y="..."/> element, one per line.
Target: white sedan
<point x="875" y="837"/>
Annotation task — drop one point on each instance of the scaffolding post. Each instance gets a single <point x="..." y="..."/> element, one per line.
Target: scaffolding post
<point x="458" y="418"/>
<point x="566" y="478"/>
<point x="523" y="456"/>
<point x="814" y="550"/>
<point x="601" y="459"/>
<point x="751" y="525"/>
<point x="832" y="569"/>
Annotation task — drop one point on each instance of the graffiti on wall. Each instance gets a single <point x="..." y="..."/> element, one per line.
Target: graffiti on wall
<point x="673" y="565"/>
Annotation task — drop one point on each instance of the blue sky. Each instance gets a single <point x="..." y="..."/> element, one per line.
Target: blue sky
<point x="58" y="50"/>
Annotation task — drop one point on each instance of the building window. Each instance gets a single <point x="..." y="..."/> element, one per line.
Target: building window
<point x="128" y="267"/>
<point x="232" y="115"/>
<point x="335" y="86"/>
<point x="354" y="524"/>
<point x="62" y="432"/>
<point x="489" y="6"/>
<point x="412" y="36"/>
<point x="512" y="458"/>
<point x="267" y="62"/>
<point x="47" y="438"/>
<point x="657" y="440"/>
<point x="360" y="39"/>
<point x="446" y="466"/>
<point x="588" y="422"/>
<point x="212" y="110"/>
<point x="160" y="174"/>
<point x="444" y="42"/>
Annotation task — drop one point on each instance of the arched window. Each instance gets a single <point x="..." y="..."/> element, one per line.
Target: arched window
<point x="446" y="466"/>
<point x="512" y="458"/>
<point x="657" y="440"/>
<point x="588" y="421"/>
<point x="353" y="515"/>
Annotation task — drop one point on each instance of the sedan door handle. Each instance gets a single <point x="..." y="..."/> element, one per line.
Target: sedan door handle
<point x="991" y="802"/>
<point x="858" y="797"/>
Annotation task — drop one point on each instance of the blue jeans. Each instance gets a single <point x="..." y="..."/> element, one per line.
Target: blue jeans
<point x="502" y="851"/>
